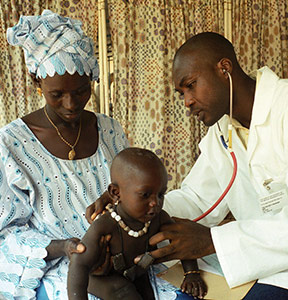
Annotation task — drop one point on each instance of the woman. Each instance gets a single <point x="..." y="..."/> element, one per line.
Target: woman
<point x="54" y="161"/>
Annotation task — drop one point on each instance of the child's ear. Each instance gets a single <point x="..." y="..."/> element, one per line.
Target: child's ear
<point x="114" y="192"/>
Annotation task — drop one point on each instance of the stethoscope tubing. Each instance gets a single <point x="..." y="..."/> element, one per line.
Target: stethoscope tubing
<point x="226" y="190"/>
<point x="231" y="153"/>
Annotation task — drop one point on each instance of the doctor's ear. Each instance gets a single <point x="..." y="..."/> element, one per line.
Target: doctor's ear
<point x="225" y="66"/>
<point x="114" y="192"/>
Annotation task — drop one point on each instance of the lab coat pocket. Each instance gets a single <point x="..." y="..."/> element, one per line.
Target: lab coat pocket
<point x="277" y="196"/>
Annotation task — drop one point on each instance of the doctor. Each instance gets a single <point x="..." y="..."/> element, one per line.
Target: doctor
<point x="255" y="245"/>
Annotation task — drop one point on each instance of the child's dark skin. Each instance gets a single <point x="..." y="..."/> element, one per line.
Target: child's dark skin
<point x="139" y="182"/>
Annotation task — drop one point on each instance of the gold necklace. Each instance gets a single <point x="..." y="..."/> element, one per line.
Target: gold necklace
<point x="72" y="153"/>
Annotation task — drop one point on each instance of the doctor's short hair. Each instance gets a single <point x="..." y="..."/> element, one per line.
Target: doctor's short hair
<point x="210" y="45"/>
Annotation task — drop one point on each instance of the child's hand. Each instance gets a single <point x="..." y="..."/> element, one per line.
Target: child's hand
<point x="194" y="285"/>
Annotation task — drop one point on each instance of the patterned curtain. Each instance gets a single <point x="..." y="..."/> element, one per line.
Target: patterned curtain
<point x="18" y="95"/>
<point x="145" y="36"/>
<point x="260" y="34"/>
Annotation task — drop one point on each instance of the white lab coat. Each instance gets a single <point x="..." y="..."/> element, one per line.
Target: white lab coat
<point x="256" y="245"/>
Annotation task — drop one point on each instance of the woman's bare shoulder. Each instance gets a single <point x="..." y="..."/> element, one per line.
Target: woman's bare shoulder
<point x="35" y="119"/>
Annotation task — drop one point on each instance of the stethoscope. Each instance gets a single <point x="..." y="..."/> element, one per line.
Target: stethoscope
<point x="228" y="148"/>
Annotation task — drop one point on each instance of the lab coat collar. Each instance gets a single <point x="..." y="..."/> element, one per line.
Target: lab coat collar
<point x="266" y="80"/>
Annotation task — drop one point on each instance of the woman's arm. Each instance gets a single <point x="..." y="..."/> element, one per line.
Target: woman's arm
<point x="59" y="248"/>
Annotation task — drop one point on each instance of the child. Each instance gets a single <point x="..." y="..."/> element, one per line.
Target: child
<point x="139" y="182"/>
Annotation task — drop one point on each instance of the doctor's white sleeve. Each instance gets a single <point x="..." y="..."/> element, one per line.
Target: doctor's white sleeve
<point x="252" y="249"/>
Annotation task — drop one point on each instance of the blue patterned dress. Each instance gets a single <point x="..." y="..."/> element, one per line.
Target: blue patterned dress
<point x="43" y="198"/>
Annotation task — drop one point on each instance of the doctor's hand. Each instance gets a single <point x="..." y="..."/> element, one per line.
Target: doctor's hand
<point x="188" y="240"/>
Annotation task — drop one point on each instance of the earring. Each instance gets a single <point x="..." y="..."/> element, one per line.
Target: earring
<point x="39" y="91"/>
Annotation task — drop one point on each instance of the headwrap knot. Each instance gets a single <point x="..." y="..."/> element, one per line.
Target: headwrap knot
<point x="54" y="44"/>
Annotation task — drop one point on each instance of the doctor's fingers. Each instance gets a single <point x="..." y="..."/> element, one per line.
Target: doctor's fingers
<point x="179" y="225"/>
<point x="164" y="254"/>
<point x="162" y="236"/>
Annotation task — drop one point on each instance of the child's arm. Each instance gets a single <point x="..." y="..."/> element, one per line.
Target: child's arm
<point x="193" y="283"/>
<point x="81" y="264"/>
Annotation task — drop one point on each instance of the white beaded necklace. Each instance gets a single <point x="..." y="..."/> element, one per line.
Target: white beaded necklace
<point x="121" y="223"/>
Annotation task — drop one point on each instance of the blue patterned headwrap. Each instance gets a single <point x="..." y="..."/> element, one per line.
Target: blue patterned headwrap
<point x="54" y="44"/>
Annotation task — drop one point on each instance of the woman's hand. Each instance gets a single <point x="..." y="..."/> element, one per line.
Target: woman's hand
<point x="73" y="245"/>
<point x="59" y="248"/>
<point x="188" y="240"/>
<point x="97" y="207"/>
<point x="104" y="264"/>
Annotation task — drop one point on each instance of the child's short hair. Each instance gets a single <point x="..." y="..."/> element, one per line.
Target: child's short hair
<point x="135" y="158"/>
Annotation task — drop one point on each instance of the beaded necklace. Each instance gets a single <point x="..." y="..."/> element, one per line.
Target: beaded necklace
<point x="125" y="227"/>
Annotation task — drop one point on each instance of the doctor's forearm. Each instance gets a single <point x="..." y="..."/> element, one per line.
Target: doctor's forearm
<point x="209" y="249"/>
